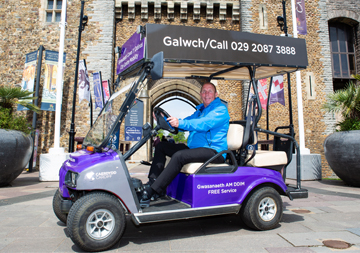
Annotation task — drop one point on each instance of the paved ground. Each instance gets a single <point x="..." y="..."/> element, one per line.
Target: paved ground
<point x="331" y="212"/>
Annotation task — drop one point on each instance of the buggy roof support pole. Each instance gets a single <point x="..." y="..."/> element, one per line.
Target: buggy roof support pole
<point x="303" y="150"/>
<point x="59" y="79"/>
<point x="252" y="71"/>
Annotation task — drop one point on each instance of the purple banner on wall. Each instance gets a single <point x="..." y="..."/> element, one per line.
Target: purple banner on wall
<point x="132" y="51"/>
<point x="301" y="17"/>
<point x="99" y="99"/>
<point x="277" y="90"/>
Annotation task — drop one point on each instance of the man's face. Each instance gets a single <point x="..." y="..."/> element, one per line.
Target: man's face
<point x="208" y="94"/>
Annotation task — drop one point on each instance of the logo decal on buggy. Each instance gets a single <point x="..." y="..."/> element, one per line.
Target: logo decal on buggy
<point x="105" y="175"/>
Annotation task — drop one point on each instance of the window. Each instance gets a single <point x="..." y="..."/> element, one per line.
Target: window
<point x="53" y="10"/>
<point x="342" y="52"/>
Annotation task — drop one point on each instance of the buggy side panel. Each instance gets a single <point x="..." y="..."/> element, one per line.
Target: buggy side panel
<point x="201" y="190"/>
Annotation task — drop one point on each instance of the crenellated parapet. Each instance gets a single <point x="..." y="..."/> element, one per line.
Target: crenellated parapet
<point x="224" y="8"/>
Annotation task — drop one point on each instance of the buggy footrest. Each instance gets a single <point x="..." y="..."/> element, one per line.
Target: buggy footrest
<point x="294" y="193"/>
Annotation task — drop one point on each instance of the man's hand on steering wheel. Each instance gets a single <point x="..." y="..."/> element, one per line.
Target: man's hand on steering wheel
<point x="174" y="122"/>
<point x="165" y="121"/>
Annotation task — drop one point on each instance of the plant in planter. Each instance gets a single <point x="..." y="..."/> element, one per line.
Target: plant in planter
<point x="16" y="142"/>
<point x="342" y="147"/>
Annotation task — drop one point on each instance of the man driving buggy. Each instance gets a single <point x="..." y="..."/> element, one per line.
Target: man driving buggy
<point x="208" y="127"/>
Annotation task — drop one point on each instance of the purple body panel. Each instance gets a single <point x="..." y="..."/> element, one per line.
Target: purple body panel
<point x="221" y="189"/>
<point x="81" y="160"/>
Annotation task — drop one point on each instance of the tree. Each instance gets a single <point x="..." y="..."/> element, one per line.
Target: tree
<point x="179" y="137"/>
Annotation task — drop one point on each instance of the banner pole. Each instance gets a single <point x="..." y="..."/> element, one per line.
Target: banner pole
<point x="59" y="79"/>
<point x="303" y="150"/>
<point x="38" y="74"/>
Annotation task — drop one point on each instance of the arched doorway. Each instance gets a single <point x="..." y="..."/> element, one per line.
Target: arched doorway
<point x="186" y="92"/>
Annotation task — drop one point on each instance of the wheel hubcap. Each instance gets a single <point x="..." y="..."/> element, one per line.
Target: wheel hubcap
<point x="100" y="224"/>
<point x="267" y="209"/>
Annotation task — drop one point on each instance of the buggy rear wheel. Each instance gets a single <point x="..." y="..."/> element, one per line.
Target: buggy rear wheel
<point x="263" y="210"/>
<point x="96" y="221"/>
<point x="56" y="207"/>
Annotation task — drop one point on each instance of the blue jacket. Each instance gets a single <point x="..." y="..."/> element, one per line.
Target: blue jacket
<point x="208" y="126"/>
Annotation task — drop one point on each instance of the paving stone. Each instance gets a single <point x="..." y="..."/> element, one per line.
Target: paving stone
<point x="144" y="244"/>
<point x="316" y="238"/>
<point x="214" y="242"/>
<point x="354" y="231"/>
<point x="40" y="232"/>
<point x="35" y="244"/>
<point x="327" y="209"/>
<point x="5" y="241"/>
<point x="346" y="209"/>
<point x="290" y="250"/>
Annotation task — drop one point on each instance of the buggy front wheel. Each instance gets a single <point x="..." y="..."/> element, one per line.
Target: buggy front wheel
<point x="96" y="221"/>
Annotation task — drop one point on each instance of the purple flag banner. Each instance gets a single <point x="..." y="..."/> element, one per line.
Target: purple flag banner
<point x="99" y="98"/>
<point x="84" y="82"/>
<point x="301" y="17"/>
<point x="277" y="90"/>
<point x="132" y="51"/>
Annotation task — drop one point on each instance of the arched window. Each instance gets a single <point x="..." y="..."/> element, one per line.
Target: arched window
<point x="343" y="53"/>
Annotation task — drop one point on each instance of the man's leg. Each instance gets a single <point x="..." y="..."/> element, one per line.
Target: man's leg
<point x="162" y="150"/>
<point x="178" y="160"/>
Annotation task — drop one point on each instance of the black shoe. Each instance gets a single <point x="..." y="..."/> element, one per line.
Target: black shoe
<point x="146" y="196"/>
<point x="157" y="196"/>
<point x="145" y="199"/>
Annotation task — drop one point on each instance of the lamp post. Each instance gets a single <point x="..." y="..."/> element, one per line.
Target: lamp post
<point x="281" y="20"/>
<point x="83" y="22"/>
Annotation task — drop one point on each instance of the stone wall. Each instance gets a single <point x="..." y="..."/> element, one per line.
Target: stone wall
<point x="112" y="22"/>
<point x="23" y="30"/>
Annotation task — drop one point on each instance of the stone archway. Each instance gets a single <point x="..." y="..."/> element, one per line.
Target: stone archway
<point x="163" y="89"/>
<point x="160" y="90"/>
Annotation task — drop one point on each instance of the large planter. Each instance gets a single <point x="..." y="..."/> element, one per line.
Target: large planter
<point x="342" y="151"/>
<point x="15" y="153"/>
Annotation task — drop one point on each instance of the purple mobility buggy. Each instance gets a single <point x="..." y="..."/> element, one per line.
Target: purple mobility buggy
<point x="96" y="191"/>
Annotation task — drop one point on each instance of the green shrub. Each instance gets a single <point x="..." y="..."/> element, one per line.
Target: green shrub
<point x="12" y="122"/>
<point x="349" y="124"/>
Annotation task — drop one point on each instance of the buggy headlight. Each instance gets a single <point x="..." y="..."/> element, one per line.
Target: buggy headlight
<point x="70" y="178"/>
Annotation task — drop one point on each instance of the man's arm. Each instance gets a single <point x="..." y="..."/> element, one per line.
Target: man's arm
<point x="215" y="118"/>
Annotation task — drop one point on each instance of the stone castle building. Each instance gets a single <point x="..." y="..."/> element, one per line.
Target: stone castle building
<point x="332" y="42"/>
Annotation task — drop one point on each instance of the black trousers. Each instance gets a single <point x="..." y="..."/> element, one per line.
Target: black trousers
<point x="180" y="155"/>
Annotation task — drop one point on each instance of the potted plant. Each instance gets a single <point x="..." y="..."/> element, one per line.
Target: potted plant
<point x="342" y="147"/>
<point x="16" y="142"/>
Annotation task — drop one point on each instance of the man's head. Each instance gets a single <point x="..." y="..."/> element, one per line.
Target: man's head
<point x="208" y="93"/>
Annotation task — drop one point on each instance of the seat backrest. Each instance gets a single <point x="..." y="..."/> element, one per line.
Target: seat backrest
<point x="235" y="136"/>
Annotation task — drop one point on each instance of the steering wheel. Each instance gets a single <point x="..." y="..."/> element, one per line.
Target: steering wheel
<point x="161" y="118"/>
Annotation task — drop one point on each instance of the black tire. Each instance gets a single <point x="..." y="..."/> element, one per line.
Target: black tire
<point x="56" y="207"/>
<point x="263" y="210"/>
<point x="86" y="224"/>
